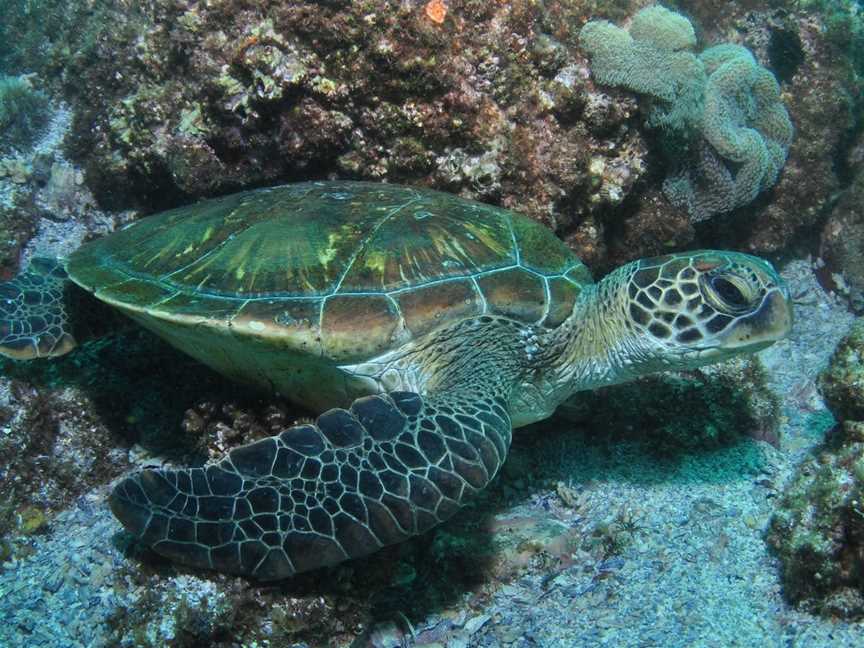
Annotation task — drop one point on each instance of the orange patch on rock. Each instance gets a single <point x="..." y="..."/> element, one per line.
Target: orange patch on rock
<point x="436" y="11"/>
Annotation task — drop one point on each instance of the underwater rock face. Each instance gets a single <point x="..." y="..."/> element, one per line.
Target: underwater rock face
<point x="494" y="101"/>
<point x="842" y="245"/>
<point x="823" y="112"/>
<point x="488" y="100"/>
<point x="842" y="383"/>
<point x="818" y="529"/>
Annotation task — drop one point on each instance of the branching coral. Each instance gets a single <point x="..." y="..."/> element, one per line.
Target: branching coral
<point x="726" y="131"/>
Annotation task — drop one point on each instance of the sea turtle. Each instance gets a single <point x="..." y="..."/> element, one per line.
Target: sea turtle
<point x="423" y="326"/>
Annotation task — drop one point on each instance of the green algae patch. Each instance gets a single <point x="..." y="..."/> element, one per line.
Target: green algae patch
<point x="31" y="520"/>
<point x="24" y="112"/>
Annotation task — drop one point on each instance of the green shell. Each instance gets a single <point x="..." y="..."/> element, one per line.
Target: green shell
<point x="343" y="270"/>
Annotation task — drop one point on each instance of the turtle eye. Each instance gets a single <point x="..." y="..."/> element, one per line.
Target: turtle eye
<point x="730" y="292"/>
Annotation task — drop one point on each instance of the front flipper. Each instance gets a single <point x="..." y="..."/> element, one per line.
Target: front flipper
<point x="33" y="321"/>
<point x="391" y="467"/>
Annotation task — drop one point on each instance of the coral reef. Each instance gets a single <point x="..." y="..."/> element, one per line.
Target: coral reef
<point x="490" y="102"/>
<point x="745" y="126"/>
<point x="822" y="90"/>
<point x="818" y="529"/>
<point x="215" y="98"/>
<point x="724" y="127"/>
<point x="494" y="102"/>
<point x="652" y="58"/>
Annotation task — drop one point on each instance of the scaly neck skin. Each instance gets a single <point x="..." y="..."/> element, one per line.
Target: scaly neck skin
<point x="599" y="348"/>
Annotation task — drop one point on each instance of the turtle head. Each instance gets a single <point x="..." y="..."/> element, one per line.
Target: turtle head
<point x="705" y="306"/>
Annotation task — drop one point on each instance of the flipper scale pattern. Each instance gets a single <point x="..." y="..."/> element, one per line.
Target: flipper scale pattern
<point x="391" y="467"/>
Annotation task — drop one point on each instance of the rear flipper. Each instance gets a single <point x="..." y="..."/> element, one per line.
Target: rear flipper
<point x="33" y="319"/>
<point x="389" y="468"/>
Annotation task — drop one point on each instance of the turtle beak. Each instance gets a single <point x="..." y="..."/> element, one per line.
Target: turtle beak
<point x="771" y="322"/>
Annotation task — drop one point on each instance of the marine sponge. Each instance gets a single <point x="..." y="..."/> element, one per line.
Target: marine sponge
<point x="654" y="59"/>
<point x="23" y="112"/>
<point x="726" y="130"/>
